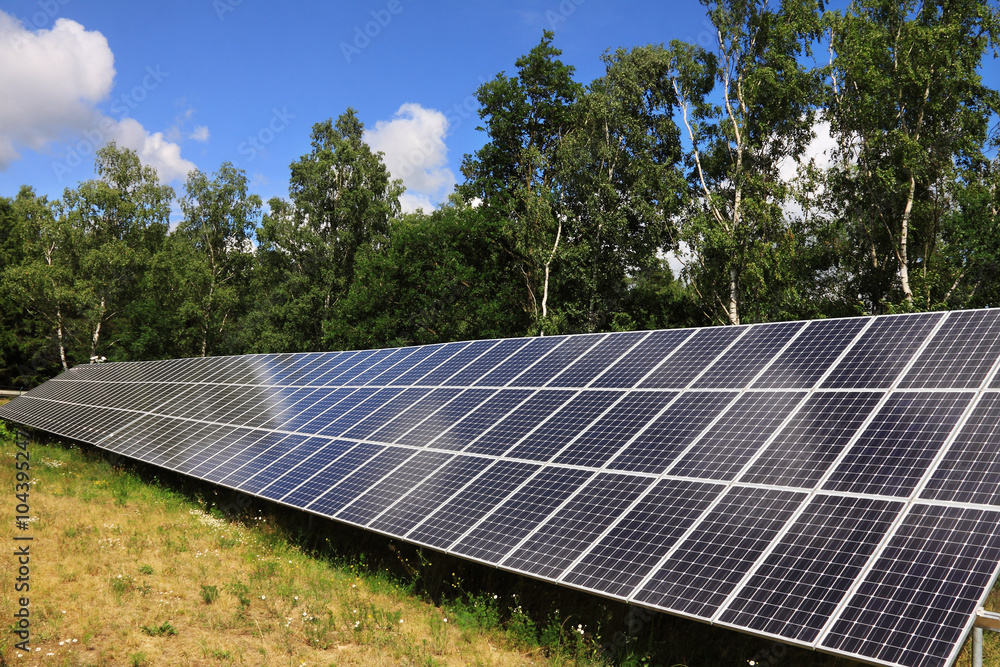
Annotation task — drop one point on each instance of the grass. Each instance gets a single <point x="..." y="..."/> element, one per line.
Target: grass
<point x="133" y="566"/>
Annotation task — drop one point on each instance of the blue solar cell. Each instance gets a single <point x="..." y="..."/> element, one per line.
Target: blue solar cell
<point x="580" y="372"/>
<point x="882" y="352"/>
<point x="895" y="450"/>
<point x="696" y="578"/>
<point x="915" y="605"/>
<point x="558" y="542"/>
<point x="747" y="358"/>
<point x="503" y="528"/>
<point x="679" y="369"/>
<point x="796" y="589"/>
<point x="471" y="504"/>
<point x="620" y="560"/>
<point x="650" y="353"/>
<point x="430" y="494"/>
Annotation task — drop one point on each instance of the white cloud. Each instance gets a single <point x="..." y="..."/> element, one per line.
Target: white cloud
<point x="52" y="81"/>
<point x="200" y="133"/>
<point x="415" y="151"/>
<point x="819" y="150"/>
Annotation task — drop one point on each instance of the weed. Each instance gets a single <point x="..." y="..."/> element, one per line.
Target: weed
<point x="138" y="659"/>
<point x="319" y="630"/>
<point x="162" y="630"/>
<point x="122" y="587"/>
<point x="145" y="569"/>
<point x="241" y="591"/>
<point x="210" y="593"/>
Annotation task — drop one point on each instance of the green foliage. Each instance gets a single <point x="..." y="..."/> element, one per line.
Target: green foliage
<point x="571" y="213"/>
<point x="162" y="630"/>
<point x="210" y="594"/>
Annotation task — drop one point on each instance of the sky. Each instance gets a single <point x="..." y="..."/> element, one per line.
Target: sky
<point x="197" y="83"/>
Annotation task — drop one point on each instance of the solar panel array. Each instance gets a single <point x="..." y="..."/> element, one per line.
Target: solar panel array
<point x="833" y="484"/>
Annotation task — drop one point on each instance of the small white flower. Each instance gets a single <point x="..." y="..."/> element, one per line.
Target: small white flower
<point x="446" y="620"/>
<point x="400" y="621"/>
<point x="262" y="597"/>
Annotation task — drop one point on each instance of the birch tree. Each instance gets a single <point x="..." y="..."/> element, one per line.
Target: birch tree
<point x="746" y="108"/>
<point x="910" y="111"/>
<point x="220" y="217"/>
<point x="121" y="219"/>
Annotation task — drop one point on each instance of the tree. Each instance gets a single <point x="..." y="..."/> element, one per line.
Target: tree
<point x="910" y="113"/>
<point x="40" y="286"/>
<point x="516" y="174"/>
<point x="215" y="239"/>
<point x="120" y="219"/>
<point x="620" y="167"/>
<point x="437" y="279"/>
<point x="738" y="248"/>
<point x="342" y="199"/>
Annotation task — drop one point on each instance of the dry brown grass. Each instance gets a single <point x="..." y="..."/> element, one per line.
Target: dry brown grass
<point x="118" y="566"/>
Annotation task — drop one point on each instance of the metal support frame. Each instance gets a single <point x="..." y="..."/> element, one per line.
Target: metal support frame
<point x="989" y="620"/>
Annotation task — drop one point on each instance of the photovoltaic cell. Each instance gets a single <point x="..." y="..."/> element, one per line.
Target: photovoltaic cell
<point x="438" y="354"/>
<point x="615" y="428"/>
<point x="806" y="448"/>
<point x="580" y="372"/>
<point x="648" y="354"/>
<point x="729" y="444"/>
<point x="485" y="416"/>
<point x="566" y="423"/>
<point x="893" y="453"/>
<point x="515" y="425"/>
<point x="487" y="361"/>
<point x="308" y="460"/>
<point x="519" y="361"/>
<point x="468" y="506"/>
<point x="961" y="353"/>
<point x="691" y="493"/>
<point x="970" y="469"/>
<point x="413" y="415"/>
<point x="698" y="577"/>
<point x="377" y="498"/>
<point x="883" y="351"/>
<point x="386" y="412"/>
<point x="430" y="494"/>
<point x="670" y="433"/>
<point x="796" y="589"/>
<point x="916" y="603"/>
<point x="359" y="481"/>
<point x="556" y="361"/>
<point x="697" y="353"/>
<point x="464" y="357"/>
<point x="747" y="357"/>
<point x="518" y="515"/>
<point x="802" y="364"/>
<point x="623" y="557"/>
<point x="566" y="534"/>
<point x="447" y="416"/>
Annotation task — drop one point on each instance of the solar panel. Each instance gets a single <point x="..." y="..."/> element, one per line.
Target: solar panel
<point x="833" y="484"/>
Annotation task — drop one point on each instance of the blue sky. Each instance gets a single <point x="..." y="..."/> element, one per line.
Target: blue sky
<point x="204" y="82"/>
<point x="197" y="83"/>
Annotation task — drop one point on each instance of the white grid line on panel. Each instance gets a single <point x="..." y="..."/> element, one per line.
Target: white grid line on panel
<point x="908" y="503"/>
<point x="597" y="339"/>
<point x="609" y="364"/>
